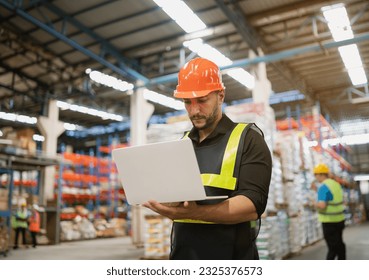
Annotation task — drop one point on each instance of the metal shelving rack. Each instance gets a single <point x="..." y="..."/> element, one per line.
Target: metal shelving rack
<point x="5" y="214"/>
<point x="11" y="163"/>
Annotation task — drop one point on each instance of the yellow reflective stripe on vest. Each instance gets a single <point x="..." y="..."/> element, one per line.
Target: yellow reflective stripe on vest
<point x="335" y="209"/>
<point x="190" y="221"/>
<point x="225" y="179"/>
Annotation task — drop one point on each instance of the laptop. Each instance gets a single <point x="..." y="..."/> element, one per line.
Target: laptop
<point x="165" y="172"/>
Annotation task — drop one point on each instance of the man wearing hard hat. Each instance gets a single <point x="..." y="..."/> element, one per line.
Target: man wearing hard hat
<point x="20" y="224"/>
<point x="34" y="224"/>
<point x="234" y="161"/>
<point x="330" y="207"/>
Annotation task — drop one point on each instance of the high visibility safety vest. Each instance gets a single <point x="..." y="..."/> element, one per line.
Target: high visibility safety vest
<point x="34" y="222"/>
<point x="334" y="211"/>
<point x="18" y="223"/>
<point x="219" y="165"/>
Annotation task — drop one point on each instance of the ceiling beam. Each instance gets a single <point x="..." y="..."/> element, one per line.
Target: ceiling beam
<point x="238" y="19"/>
<point x="122" y="70"/>
<point x="291" y="7"/>
<point x="274" y="57"/>
<point x="249" y="34"/>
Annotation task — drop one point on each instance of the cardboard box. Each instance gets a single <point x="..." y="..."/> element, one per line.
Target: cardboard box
<point x="4" y="205"/>
<point x="4" y="193"/>
<point x="26" y="132"/>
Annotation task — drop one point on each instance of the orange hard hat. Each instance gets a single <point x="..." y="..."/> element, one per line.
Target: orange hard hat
<point x="321" y="168"/>
<point x="198" y="78"/>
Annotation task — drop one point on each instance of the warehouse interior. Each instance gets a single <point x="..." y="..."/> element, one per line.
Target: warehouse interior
<point x="80" y="78"/>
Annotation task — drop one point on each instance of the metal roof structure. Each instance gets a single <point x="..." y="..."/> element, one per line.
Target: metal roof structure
<point x="46" y="47"/>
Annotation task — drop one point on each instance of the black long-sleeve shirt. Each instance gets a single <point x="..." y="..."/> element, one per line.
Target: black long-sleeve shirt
<point x="255" y="166"/>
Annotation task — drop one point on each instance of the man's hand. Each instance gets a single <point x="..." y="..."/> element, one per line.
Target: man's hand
<point x="321" y="205"/>
<point x="234" y="210"/>
<point x="183" y="210"/>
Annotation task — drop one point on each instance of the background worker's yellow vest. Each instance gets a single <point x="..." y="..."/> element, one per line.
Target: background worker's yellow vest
<point x="334" y="211"/>
<point x="18" y="223"/>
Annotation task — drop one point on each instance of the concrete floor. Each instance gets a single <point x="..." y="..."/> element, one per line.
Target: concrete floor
<point x="356" y="239"/>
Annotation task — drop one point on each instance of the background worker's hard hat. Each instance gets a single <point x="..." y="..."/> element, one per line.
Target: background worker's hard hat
<point x="198" y="78"/>
<point x="321" y="168"/>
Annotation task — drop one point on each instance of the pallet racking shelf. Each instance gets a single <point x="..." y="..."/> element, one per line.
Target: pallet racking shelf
<point x="89" y="182"/>
<point x="14" y="165"/>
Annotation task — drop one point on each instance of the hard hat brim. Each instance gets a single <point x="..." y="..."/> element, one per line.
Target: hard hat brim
<point x="191" y="94"/>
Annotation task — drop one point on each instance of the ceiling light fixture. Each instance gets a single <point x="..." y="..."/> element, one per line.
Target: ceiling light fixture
<point x="72" y="127"/>
<point x="89" y="111"/>
<point x="181" y="14"/>
<point x="120" y="85"/>
<point x="350" y="140"/>
<point x="18" y="118"/>
<point x="208" y="52"/>
<point x="340" y="27"/>
<point x="32" y="120"/>
<point x="163" y="100"/>
<point x="361" y="177"/>
<point x="38" y="138"/>
<point x="108" y="80"/>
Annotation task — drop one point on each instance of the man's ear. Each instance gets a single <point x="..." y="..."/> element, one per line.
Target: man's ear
<point x="221" y="95"/>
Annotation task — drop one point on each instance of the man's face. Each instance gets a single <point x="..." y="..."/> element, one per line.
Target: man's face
<point x="205" y="111"/>
<point x="319" y="177"/>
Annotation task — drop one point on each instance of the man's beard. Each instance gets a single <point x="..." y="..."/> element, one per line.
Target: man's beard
<point x="209" y="121"/>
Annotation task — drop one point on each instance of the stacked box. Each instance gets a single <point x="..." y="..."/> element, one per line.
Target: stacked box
<point x="296" y="232"/>
<point x="260" y="114"/>
<point x="276" y="186"/>
<point x="273" y="239"/>
<point x="282" y="229"/>
<point x="4" y="197"/>
<point x="266" y="241"/>
<point x="157" y="236"/>
<point x="288" y="146"/>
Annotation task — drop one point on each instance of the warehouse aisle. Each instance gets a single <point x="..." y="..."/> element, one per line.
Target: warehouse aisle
<point x="357" y="245"/>
<point x="356" y="238"/>
<point x="119" y="248"/>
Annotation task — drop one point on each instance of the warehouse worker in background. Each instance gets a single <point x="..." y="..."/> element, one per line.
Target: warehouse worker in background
<point x="20" y="224"/>
<point x="330" y="207"/>
<point x="234" y="160"/>
<point x="34" y="224"/>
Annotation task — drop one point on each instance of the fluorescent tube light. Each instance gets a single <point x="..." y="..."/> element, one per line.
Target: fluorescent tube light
<point x="70" y="126"/>
<point x="340" y="27"/>
<point x="242" y="76"/>
<point x="108" y="80"/>
<point x="208" y="52"/>
<point x="182" y="15"/>
<point x="163" y="100"/>
<point x="356" y="139"/>
<point x="338" y="22"/>
<point x="38" y="138"/>
<point x="363" y="177"/>
<point x="18" y="118"/>
<point x="357" y="76"/>
<point x="89" y="111"/>
<point x="350" y="56"/>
